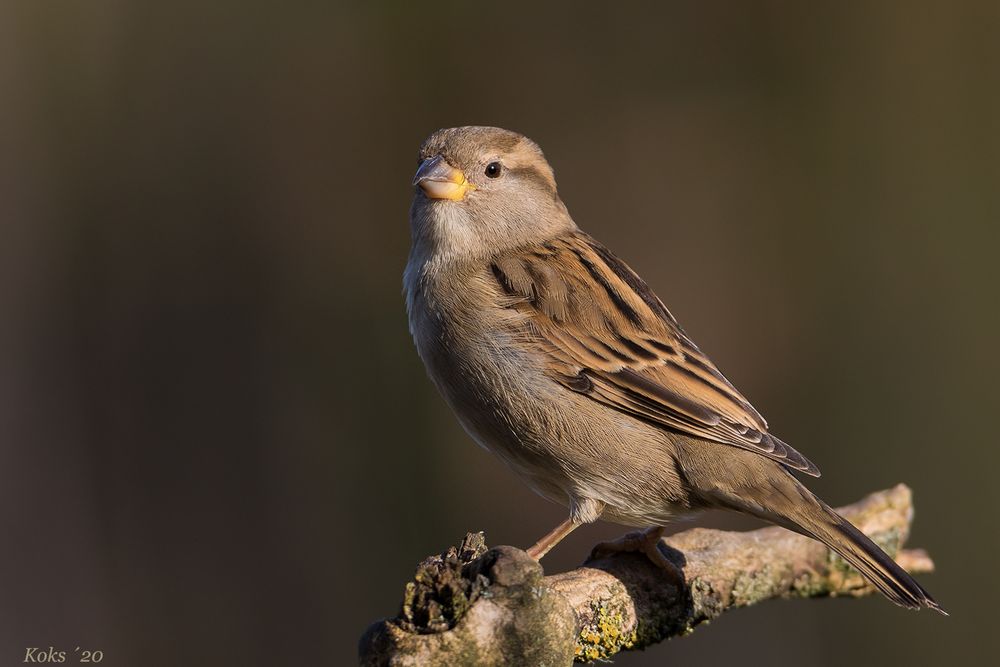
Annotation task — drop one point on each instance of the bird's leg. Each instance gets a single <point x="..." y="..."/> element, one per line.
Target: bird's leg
<point x="544" y="545"/>
<point x="646" y="542"/>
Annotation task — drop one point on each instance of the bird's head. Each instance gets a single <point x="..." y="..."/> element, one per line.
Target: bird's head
<point x="482" y="190"/>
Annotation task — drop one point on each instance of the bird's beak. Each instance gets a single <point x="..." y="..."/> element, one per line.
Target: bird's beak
<point x="440" y="180"/>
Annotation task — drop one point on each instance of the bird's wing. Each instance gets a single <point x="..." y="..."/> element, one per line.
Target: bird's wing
<point x="604" y="334"/>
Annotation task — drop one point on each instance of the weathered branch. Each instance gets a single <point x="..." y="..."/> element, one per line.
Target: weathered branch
<point x="471" y="606"/>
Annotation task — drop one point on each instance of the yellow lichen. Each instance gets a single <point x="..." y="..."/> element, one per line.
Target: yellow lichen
<point x="605" y="635"/>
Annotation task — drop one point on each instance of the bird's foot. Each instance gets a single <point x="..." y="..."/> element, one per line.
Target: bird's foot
<point x="646" y="542"/>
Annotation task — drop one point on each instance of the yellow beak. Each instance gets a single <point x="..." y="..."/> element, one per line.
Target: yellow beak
<point x="440" y="180"/>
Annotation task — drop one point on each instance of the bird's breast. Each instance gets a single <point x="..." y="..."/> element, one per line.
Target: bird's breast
<point x="563" y="444"/>
<point x="469" y="343"/>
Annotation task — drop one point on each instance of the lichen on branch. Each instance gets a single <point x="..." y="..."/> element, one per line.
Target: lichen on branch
<point x="473" y="606"/>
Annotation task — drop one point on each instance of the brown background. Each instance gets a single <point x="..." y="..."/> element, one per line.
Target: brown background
<point x="217" y="445"/>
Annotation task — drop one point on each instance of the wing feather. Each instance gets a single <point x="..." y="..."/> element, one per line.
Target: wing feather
<point x="607" y="336"/>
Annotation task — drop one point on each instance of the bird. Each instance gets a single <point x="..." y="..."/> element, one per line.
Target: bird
<point x="558" y="358"/>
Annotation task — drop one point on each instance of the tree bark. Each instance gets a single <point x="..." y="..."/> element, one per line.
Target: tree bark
<point x="473" y="606"/>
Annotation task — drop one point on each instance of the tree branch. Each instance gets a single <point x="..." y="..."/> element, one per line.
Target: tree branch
<point x="494" y="607"/>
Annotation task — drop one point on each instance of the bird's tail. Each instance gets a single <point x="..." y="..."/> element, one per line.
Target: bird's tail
<point x="817" y="520"/>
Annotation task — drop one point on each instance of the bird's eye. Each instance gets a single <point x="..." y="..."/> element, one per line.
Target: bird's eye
<point x="493" y="169"/>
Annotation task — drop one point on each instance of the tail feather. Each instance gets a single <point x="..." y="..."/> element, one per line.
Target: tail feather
<point x="790" y="504"/>
<point x="759" y="487"/>
<point x="868" y="558"/>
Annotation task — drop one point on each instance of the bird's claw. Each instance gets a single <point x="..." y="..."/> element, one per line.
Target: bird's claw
<point x="646" y="542"/>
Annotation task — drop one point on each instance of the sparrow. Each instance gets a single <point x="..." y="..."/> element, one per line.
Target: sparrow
<point x="558" y="358"/>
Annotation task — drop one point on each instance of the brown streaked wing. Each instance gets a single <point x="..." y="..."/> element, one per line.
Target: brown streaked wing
<point x="607" y="336"/>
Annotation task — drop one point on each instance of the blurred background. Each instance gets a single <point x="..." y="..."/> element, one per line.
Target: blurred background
<point x="217" y="443"/>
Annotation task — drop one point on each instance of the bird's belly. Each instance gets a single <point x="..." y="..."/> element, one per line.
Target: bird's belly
<point x="562" y="444"/>
<point x="503" y="407"/>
